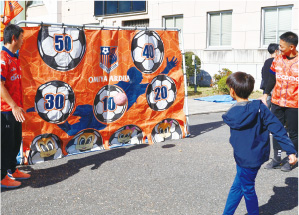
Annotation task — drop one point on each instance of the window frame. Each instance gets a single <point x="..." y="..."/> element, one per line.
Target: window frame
<point x="262" y="45"/>
<point x="35" y="4"/>
<point x="173" y="17"/>
<point x="135" y="20"/>
<point x="120" y="14"/>
<point x="209" y="28"/>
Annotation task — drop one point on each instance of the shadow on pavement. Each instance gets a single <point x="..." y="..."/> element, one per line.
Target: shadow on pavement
<point x="284" y="198"/>
<point x="167" y="146"/>
<point x="199" y="129"/>
<point x="49" y="176"/>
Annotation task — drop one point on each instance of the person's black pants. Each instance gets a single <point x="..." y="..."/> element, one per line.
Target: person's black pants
<point x="289" y="118"/>
<point x="11" y="138"/>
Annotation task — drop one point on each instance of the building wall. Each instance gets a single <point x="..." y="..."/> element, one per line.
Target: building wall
<point x="245" y="54"/>
<point x="50" y="11"/>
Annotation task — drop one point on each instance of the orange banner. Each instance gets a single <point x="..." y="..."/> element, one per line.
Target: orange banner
<point x="11" y="10"/>
<point x="72" y="77"/>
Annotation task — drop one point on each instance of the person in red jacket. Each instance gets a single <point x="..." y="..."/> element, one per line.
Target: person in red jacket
<point x="12" y="113"/>
<point x="285" y="94"/>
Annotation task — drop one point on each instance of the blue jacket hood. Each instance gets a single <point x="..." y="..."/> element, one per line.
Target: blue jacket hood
<point x="242" y="114"/>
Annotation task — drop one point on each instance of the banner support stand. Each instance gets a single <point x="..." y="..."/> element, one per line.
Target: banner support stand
<point x="185" y="83"/>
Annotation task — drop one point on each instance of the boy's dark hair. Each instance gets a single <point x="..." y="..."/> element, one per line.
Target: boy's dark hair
<point x="290" y="37"/>
<point x="11" y="30"/>
<point x="273" y="47"/>
<point x="242" y="83"/>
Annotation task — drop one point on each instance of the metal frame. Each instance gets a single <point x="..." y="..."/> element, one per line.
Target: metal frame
<point x="186" y="86"/>
<point x="102" y="27"/>
<point x="131" y="28"/>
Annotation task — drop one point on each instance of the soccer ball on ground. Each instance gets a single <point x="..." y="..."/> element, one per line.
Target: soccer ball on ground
<point x="161" y="93"/>
<point x="147" y="51"/>
<point x="167" y="129"/>
<point x="61" y="48"/>
<point x="104" y="107"/>
<point x="54" y="101"/>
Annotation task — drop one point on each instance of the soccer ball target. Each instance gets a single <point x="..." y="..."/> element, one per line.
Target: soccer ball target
<point x="147" y="51"/>
<point x="129" y="134"/>
<point x="61" y="48"/>
<point x="45" y="147"/>
<point x="167" y="129"/>
<point x="104" y="107"/>
<point x="54" y="101"/>
<point x="161" y="93"/>
<point x="85" y="141"/>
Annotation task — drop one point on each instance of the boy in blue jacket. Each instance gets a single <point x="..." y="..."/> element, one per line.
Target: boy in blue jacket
<point x="250" y="123"/>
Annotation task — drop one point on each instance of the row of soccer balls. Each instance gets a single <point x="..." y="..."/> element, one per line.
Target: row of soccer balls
<point x="55" y="100"/>
<point x="63" y="49"/>
<point x="48" y="146"/>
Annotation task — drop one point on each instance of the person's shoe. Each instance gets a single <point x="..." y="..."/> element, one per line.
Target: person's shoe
<point x="287" y="167"/>
<point x="273" y="164"/>
<point x="7" y="182"/>
<point x="18" y="175"/>
<point x="9" y="174"/>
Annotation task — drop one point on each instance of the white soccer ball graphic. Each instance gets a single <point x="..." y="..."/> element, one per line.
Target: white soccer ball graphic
<point x="61" y="48"/>
<point x="104" y="107"/>
<point x="85" y="141"/>
<point x="147" y="51"/>
<point x="161" y="93"/>
<point x="167" y="129"/>
<point x="45" y="147"/>
<point x="54" y="101"/>
<point x="129" y="134"/>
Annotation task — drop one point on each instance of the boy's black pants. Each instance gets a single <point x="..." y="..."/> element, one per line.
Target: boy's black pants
<point x="288" y="117"/>
<point x="11" y="138"/>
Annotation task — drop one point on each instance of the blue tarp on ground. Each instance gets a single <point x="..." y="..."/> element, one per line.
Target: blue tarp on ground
<point x="219" y="99"/>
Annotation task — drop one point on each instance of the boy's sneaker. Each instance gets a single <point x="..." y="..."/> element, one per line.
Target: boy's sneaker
<point x="10" y="174"/>
<point x="287" y="167"/>
<point x="7" y="182"/>
<point x="273" y="164"/>
<point x="18" y="175"/>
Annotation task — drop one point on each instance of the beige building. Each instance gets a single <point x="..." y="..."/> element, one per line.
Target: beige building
<point x="224" y="34"/>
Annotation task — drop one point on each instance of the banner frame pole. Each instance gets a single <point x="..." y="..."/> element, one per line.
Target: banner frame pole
<point x="185" y="82"/>
<point x="102" y="27"/>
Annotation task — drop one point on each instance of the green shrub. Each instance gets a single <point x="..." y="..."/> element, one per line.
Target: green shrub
<point x="220" y="80"/>
<point x="223" y="73"/>
<point x="222" y="87"/>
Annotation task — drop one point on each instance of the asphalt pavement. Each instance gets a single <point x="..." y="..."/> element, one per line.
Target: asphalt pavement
<point x="190" y="176"/>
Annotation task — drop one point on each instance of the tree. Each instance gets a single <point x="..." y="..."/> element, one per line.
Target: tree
<point x="189" y="66"/>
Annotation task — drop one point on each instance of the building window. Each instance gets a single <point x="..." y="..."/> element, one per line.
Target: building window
<point x="220" y="28"/>
<point x="275" y="21"/>
<point x="34" y="3"/>
<point x="103" y="8"/>
<point x="173" y="21"/>
<point x="136" y="23"/>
